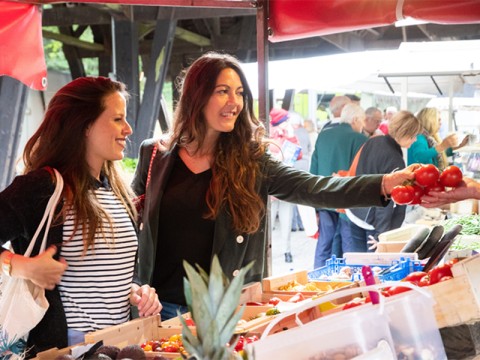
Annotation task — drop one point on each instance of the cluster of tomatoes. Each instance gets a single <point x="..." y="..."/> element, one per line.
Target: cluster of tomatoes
<point x="172" y="344"/>
<point x="427" y="178"/>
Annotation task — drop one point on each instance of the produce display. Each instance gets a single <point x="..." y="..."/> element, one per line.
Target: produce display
<point x="427" y="178"/>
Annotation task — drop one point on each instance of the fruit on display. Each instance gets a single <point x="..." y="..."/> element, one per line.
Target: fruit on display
<point x="131" y="352"/>
<point x="109" y="350"/>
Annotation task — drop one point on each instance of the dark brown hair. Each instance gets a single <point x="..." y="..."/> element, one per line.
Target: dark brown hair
<point x="236" y="167"/>
<point x="59" y="142"/>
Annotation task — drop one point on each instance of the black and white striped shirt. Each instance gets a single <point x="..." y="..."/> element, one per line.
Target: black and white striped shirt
<point x="95" y="288"/>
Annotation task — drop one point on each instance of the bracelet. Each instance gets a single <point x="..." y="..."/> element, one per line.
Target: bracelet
<point x="384" y="190"/>
<point x="7" y="264"/>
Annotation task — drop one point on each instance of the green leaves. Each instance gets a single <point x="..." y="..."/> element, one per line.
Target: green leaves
<point x="213" y="301"/>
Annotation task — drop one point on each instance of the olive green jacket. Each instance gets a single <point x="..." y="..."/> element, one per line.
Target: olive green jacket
<point x="235" y="250"/>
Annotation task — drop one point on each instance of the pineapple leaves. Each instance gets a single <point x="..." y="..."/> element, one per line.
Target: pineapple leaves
<point x="213" y="302"/>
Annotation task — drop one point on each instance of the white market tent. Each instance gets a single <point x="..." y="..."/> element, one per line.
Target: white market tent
<point x="447" y="69"/>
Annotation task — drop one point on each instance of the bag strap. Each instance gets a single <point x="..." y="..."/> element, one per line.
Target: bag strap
<point x="47" y="216"/>
<point x="149" y="175"/>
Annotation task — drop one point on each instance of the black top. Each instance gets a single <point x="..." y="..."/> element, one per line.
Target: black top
<point x="182" y="222"/>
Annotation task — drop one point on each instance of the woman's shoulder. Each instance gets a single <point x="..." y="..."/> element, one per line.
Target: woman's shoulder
<point x="161" y="143"/>
<point x="36" y="181"/>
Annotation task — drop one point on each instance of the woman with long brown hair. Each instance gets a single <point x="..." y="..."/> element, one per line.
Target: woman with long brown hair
<point x="210" y="182"/>
<point x="88" y="269"/>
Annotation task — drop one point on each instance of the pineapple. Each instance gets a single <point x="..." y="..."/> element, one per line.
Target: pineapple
<point x="212" y="301"/>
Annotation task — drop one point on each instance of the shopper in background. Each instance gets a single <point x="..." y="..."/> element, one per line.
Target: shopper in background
<point x="211" y="179"/>
<point x="381" y="154"/>
<point x="429" y="148"/>
<point x="389" y="113"/>
<point x="336" y="106"/>
<point x="373" y="118"/>
<point x="83" y="134"/>
<point x="282" y="132"/>
<point x="335" y="150"/>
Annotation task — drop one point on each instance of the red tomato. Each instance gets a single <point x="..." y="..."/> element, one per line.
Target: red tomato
<point x="435" y="187"/>
<point x="439" y="272"/>
<point x="445" y="278"/>
<point x="353" y="303"/>
<point x="415" y="276"/>
<point x="240" y="343"/>
<point x="254" y="303"/>
<point x="451" y="176"/>
<point x="426" y="175"/>
<point x="394" y="290"/>
<point x="424" y="281"/>
<point x="417" y="194"/>
<point x="274" y="301"/>
<point x="251" y="339"/>
<point x="189" y="322"/>
<point x="403" y="194"/>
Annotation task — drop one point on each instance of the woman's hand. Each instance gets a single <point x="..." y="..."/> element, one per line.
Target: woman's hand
<point x="398" y="178"/>
<point x="463" y="143"/>
<point x="145" y="299"/>
<point x="450" y="141"/>
<point x="468" y="189"/>
<point x="43" y="270"/>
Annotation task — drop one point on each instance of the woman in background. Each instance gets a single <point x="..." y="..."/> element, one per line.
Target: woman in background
<point x="379" y="155"/>
<point x="428" y="147"/>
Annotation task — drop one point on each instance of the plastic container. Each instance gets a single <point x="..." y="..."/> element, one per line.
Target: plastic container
<point x="361" y="332"/>
<point x="413" y="326"/>
<point x="398" y="269"/>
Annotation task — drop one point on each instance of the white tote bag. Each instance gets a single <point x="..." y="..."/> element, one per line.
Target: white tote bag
<point x="22" y="303"/>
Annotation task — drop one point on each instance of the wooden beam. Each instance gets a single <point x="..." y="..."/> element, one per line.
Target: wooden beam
<point x="73" y="41"/>
<point x="192" y="38"/>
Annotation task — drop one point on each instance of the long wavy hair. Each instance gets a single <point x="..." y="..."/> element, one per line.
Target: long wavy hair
<point x="428" y="117"/>
<point x="60" y="142"/>
<point x="236" y="167"/>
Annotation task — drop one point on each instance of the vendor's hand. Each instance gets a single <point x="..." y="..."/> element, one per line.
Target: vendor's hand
<point x="468" y="189"/>
<point x="145" y="299"/>
<point x="399" y="177"/>
<point x="450" y="141"/>
<point x="463" y="143"/>
<point x="43" y="270"/>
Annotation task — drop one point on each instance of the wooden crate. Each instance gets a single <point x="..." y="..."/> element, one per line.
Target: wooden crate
<point x="272" y="284"/>
<point x="133" y="332"/>
<point x="252" y="317"/>
<point x="458" y="300"/>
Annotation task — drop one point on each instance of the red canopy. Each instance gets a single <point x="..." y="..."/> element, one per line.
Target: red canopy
<point x="296" y="19"/>
<point x="21" y="44"/>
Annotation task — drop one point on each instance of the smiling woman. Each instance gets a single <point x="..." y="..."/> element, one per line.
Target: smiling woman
<point x="210" y="182"/>
<point x="93" y="237"/>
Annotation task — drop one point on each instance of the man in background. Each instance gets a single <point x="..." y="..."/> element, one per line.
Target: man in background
<point x="373" y="119"/>
<point x="335" y="149"/>
<point x="336" y="105"/>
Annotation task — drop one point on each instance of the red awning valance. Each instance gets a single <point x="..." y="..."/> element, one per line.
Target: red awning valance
<point x="290" y="20"/>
